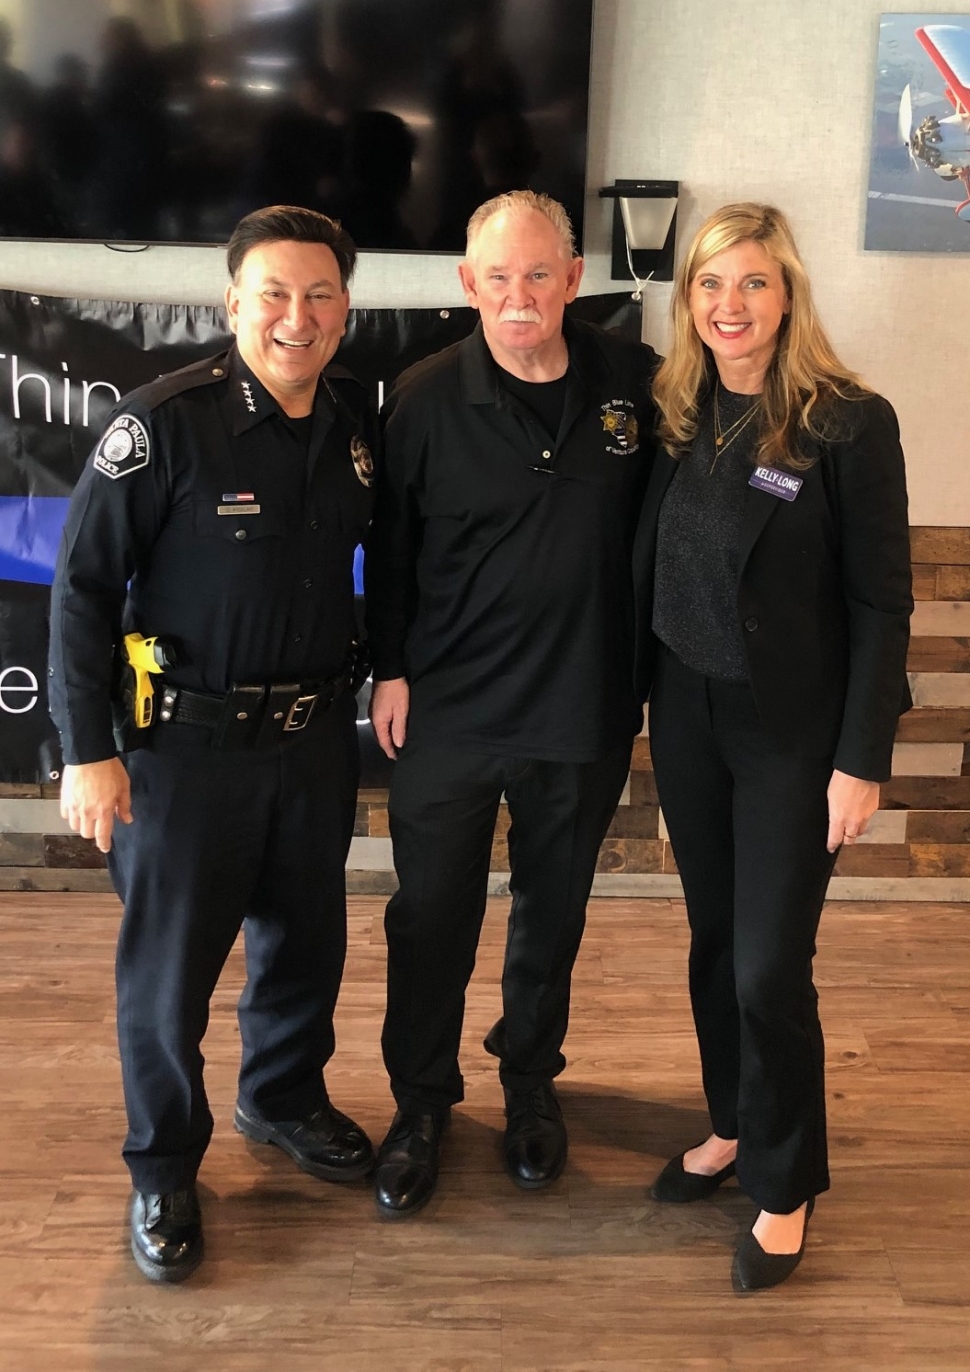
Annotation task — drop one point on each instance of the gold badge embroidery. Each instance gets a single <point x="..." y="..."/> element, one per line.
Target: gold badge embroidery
<point x="622" y="427"/>
<point x="363" y="462"/>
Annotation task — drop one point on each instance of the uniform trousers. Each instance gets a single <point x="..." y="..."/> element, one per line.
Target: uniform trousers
<point x="748" y="822"/>
<point x="220" y="840"/>
<point x="442" y="809"/>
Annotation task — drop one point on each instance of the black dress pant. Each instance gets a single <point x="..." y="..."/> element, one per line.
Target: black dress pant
<point x="442" y="808"/>
<point x="223" y="840"/>
<point x="748" y="822"/>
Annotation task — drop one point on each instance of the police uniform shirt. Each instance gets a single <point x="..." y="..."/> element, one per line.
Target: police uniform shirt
<point x="233" y="537"/>
<point x="498" y="580"/>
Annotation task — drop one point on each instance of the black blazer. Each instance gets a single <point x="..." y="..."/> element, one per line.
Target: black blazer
<point x="824" y="595"/>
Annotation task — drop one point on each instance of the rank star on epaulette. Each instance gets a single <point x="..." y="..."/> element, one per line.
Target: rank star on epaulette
<point x="124" y="447"/>
<point x="248" y="393"/>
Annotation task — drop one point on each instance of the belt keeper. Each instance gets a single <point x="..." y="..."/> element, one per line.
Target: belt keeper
<point x="280" y="699"/>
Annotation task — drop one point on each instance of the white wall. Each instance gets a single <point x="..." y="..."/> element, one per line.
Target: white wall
<point x="737" y="99"/>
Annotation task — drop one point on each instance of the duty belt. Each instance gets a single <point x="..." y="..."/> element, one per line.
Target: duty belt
<point x="252" y="716"/>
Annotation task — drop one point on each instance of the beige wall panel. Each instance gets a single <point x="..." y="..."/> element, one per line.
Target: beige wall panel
<point x="927" y="759"/>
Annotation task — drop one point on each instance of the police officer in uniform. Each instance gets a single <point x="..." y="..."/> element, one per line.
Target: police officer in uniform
<point x="500" y="609"/>
<point x="220" y="512"/>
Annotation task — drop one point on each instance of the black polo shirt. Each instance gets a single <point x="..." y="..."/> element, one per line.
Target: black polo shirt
<point x="202" y="516"/>
<point x="498" y="578"/>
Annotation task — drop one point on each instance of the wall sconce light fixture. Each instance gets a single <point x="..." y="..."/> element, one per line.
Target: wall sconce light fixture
<point x="644" y="229"/>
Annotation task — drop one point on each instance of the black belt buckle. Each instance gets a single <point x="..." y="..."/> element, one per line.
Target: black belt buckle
<point x="299" y="713"/>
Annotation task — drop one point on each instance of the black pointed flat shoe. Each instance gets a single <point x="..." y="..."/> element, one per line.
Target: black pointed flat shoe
<point x="755" y="1270"/>
<point x="680" y="1187"/>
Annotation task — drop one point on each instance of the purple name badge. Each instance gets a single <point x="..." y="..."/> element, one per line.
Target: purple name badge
<point x="775" y="482"/>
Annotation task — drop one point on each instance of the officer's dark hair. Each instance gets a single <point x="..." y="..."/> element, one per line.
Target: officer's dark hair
<point x="291" y="224"/>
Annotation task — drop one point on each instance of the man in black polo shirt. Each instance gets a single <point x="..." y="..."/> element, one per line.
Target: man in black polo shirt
<point x="499" y="604"/>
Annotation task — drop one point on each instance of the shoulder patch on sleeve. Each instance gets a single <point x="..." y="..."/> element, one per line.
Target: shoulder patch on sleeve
<point x="124" y="447"/>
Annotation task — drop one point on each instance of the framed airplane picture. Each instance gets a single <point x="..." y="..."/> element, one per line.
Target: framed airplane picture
<point x="919" y="173"/>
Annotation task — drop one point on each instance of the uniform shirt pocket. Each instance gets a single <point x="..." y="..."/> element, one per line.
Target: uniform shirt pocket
<point x="238" y="553"/>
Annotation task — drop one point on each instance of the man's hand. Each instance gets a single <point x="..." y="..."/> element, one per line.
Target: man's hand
<point x="389" y="702"/>
<point x="92" y="794"/>
<point x="852" y="803"/>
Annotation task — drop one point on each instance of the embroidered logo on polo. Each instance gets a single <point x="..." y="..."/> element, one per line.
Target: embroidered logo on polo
<point x="620" y="424"/>
<point x="124" y="447"/>
<point x="363" y="462"/>
<point x="248" y="393"/>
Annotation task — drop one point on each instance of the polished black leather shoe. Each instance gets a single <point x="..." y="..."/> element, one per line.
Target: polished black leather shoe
<point x="327" y="1144"/>
<point x="755" y="1270"/>
<point x="166" y="1234"/>
<point x="535" y="1143"/>
<point x="407" y="1163"/>
<point x="674" y="1184"/>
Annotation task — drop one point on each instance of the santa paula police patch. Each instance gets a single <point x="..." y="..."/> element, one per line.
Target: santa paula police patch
<point x="363" y="462"/>
<point x="124" y="447"/>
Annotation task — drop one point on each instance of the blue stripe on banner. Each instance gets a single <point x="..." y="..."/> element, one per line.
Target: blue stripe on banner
<point x="30" y="532"/>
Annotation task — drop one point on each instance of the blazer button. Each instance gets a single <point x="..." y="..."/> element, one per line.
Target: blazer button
<point x="751" y="624"/>
<point x="241" y="535"/>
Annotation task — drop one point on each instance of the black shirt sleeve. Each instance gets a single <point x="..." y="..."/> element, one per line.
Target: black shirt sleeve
<point x="872" y="512"/>
<point x="394" y="541"/>
<point x="111" y="525"/>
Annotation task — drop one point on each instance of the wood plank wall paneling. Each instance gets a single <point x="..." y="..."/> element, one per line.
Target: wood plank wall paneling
<point x="922" y="833"/>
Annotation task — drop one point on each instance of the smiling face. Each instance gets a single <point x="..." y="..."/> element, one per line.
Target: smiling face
<point x="288" y="311"/>
<point x="737" y="302"/>
<point x="520" y="279"/>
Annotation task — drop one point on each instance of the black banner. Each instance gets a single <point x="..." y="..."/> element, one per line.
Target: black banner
<point x="63" y="366"/>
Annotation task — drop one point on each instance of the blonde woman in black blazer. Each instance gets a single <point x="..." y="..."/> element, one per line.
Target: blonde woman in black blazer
<point x="774" y="596"/>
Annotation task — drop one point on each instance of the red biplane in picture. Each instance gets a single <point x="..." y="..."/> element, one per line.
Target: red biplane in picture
<point x="944" y="144"/>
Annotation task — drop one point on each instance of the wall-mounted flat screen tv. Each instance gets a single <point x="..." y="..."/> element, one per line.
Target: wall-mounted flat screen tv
<point x="148" y="121"/>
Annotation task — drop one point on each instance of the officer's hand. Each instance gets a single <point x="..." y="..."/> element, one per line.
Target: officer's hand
<point x="852" y="803"/>
<point x="389" y="702"/>
<point x="92" y="794"/>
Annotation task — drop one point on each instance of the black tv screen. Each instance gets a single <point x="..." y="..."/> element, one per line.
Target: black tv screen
<point x="396" y="116"/>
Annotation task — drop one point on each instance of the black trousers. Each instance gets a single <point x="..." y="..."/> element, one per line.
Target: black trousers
<point x="223" y="840"/>
<point x="748" y="823"/>
<point x="443" y="804"/>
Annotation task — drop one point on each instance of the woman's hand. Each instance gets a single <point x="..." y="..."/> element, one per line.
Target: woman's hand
<point x="852" y="803"/>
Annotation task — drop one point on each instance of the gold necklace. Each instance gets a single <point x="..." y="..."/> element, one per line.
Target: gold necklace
<point x="723" y="438"/>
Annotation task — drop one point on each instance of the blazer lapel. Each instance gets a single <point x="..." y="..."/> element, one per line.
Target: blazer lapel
<point x="759" y="506"/>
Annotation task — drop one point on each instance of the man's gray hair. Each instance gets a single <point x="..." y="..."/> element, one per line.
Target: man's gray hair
<point x="520" y="202"/>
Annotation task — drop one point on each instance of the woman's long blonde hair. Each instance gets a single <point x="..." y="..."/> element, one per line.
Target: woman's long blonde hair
<point x="804" y="376"/>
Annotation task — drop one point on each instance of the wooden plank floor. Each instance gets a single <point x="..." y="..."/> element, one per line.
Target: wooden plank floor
<point x="588" y="1276"/>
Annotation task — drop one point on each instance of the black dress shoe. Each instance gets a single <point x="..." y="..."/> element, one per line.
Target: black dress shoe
<point x="407" y="1163"/>
<point x="535" y="1143"/>
<point x="166" y="1234"/>
<point x="327" y="1144"/>
<point x="755" y="1270"/>
<point x="674" y="1184"/>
